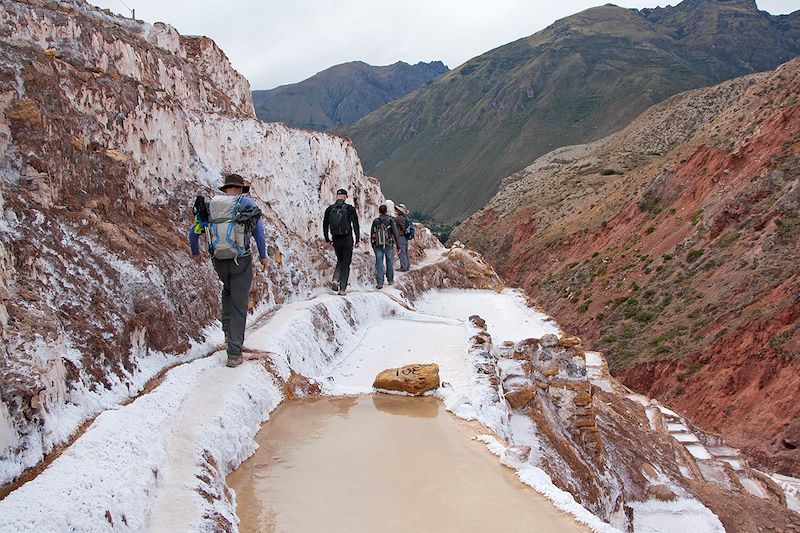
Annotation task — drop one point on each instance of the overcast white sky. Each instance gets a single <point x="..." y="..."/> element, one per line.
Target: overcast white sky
<point x="274" y="42"/>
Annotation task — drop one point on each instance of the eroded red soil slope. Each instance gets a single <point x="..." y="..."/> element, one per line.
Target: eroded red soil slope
<point x="672" y="246"/>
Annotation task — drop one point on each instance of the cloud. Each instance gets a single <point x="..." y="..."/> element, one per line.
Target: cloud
<point x="275" y="42"/>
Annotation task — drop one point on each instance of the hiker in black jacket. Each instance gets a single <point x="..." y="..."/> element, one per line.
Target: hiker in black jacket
<point x="342" y="220"/>
<point x="384" y="237"/>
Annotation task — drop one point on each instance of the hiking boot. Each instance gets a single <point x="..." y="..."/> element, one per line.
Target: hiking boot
<point x="391" y="282"/>
<point x="379" y="287"/>
<point x="334" y="286"/>
<point x="342" y="293"/>
<point x="234" y="361"/>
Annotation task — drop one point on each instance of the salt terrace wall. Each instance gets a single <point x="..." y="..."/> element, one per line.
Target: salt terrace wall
<point x="108" y="129"/>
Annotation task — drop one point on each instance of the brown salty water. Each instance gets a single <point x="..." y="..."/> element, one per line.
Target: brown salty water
<point x="381" y="464"/>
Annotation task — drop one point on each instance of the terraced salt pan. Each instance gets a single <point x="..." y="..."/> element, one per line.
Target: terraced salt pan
<point x="698" y="451"/>
<point x="791" y="487"/>
<point x="394" y="343"/>
<point x="655" y="516"/>
<point x="507" y="315"/>
<point x="677" y="427"/>
<point x="723" y="451"/>
<point x="685" y="437"/>
<point x="753" y="487"/>
<point x="594" y="371"/>
<point x="736" y="464"/>
<point x="638" y="398"/>
<point x="594" y="360"/>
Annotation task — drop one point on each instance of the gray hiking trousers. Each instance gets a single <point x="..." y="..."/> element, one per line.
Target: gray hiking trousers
<point x="236" y="279"/>
<point x="405" y="263"/>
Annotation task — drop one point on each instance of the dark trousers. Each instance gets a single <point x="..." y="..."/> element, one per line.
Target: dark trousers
<point x="236" y="279"/>
<point x="343" y="246"/>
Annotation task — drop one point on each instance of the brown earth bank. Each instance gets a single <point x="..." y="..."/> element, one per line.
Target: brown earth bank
<point x="671" y="246"/>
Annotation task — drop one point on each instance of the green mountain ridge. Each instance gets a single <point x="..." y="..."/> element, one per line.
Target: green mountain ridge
<point x="444" y="148"/>
<point x="342" y="94"/>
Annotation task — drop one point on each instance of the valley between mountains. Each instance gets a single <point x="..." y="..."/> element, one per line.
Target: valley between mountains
<point x="615" y="325"/>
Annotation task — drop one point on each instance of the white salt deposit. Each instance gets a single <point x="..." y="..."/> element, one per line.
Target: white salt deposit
<point x="685" y="437"/>
<point x="698" y="451"/>
<point x="394" y="343"/>
<point x="508" y="316"/>
<point x="754" y="487"/>
<point x="680" y="516"/>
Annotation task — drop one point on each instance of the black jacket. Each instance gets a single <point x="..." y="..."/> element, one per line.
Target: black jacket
<point x="351" y="213"/>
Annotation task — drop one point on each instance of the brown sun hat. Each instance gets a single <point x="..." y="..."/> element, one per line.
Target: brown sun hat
<point x="402" y="208"/>
<point x="233" y="180"/>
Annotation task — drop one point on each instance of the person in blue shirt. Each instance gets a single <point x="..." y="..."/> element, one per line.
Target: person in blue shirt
<point x="236" y="274"/>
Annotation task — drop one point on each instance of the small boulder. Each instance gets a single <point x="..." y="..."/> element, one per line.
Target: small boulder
<point x="520" y="397"/>
<point x="413" y="379"/>
<point x="549" y="340"/>
<point x="478" y="321"/>
<point x="550" y="371"/>
<point x="569" y="342"/>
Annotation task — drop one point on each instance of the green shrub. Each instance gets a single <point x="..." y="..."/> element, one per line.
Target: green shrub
<point x="644" y="317"/>
<point x="694" y="255"/>
<point x="584" y="306"/>
<point x="631" y="308"/>
<point x="650" y="202"/>
<point x="609" y="172"/>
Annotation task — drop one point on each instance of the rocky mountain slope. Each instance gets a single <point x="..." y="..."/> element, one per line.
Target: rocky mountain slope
<point x="444" y="148"/>
<point x="342" y="94"/>
<point x="108" y="129"/>
<point x="672" y="247"/>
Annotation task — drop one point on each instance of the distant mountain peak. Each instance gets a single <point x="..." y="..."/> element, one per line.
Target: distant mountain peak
<point x="342" y="94"/>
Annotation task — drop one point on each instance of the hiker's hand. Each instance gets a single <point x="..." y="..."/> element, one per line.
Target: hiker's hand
<point x="264" y="263"/>
<point x="197" y="258"/>
<point x="357" y="244"/>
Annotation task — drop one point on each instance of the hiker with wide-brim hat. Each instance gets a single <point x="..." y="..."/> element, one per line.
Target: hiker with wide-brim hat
<point x="233" y="219"/>
<point x="235" y="181"/>
<point x="341" y="220"/>
<point x="405" y="229"/>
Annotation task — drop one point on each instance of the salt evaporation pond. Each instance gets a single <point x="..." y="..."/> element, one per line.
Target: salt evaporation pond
<point x="381" y="463"/>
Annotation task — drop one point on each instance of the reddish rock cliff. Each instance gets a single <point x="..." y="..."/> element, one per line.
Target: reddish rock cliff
<point x="672" y="247"/>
